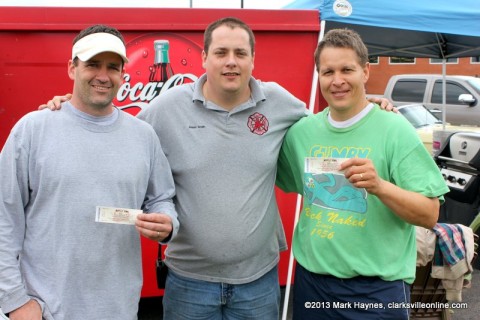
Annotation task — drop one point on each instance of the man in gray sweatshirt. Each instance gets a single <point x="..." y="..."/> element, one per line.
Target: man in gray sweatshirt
<point x="56" y="168"/>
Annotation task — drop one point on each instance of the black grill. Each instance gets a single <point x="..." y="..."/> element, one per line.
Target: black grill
<point x="459" y="162"/>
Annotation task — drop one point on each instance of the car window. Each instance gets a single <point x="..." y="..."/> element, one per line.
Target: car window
<point x="418" y="115"/>
<point x="475" y="83"/>
<point x="453" y="90"/>
<point x="411" y="90"/>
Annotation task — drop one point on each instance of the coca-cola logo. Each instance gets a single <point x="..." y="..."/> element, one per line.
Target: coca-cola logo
<point x="139" y="87"/>
<point x="140" y="94"/>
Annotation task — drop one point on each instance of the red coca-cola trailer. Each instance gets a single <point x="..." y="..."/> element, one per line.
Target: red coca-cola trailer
<point x="35" y="45"/>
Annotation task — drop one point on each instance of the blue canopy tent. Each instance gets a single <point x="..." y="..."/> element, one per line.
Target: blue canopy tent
<point x="439" y="29"/>
<point x="410" y="28"/>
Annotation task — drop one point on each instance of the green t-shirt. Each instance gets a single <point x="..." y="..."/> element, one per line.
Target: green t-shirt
<point x="344" y="231"/>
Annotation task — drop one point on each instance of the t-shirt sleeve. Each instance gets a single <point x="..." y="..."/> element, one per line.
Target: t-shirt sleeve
<point x="414" y="168"/>
<point x="288" y="168"/>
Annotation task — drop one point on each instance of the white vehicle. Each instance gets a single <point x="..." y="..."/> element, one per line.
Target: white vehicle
<point x="429" y="128"/>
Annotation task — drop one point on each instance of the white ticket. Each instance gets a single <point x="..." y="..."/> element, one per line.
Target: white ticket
<point x="116" y="215"/>
<point x="320" y="165"/>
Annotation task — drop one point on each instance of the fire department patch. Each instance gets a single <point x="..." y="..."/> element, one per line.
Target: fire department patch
<point x="258" y="123"/>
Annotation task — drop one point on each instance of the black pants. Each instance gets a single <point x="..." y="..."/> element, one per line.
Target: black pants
<point x="318" y="296"/>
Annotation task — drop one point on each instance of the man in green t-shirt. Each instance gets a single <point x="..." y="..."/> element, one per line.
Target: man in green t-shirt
<point x="367" y="180"/>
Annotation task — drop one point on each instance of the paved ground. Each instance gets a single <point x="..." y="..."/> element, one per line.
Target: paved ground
<point x="151" y="309"/>
<point x="471" y="296"/>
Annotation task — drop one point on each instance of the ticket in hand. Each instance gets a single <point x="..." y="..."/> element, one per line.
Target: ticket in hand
<point x="116" y="215"/>
<point x="322" y="165"/>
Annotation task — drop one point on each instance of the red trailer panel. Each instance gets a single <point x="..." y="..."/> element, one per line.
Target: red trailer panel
<point x="36" y="45"/>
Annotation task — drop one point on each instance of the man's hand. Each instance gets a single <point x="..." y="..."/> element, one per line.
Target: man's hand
<point x="29" y="311"/>
<point x="384" y="103"/>
<point x="362" y="174"/>
<point x="54" y="104"/>
<point x="154" y="226"/>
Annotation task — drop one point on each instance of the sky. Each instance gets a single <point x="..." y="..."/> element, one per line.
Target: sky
<point x="247" y="4"/>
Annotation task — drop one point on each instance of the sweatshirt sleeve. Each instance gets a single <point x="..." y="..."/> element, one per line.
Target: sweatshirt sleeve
<point x="14" y="196"/>
<point x="161" y="188"/>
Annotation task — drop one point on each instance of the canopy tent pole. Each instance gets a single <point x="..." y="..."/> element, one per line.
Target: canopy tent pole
<point x="444" y="92"/>
<point x="313" y="92"/>
<point x="298" y="207"/>
<point x="290" y="261"/>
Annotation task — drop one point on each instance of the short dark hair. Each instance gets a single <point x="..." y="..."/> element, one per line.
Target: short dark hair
<point x="96" y="28"/>
<point x="343" y="38"/>
<point x="229" y="22"/>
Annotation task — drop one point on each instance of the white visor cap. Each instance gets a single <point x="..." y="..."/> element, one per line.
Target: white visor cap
<point x="96" y="43"/>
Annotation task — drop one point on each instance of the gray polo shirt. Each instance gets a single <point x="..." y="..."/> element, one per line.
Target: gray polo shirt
<point x="224" y="166"/>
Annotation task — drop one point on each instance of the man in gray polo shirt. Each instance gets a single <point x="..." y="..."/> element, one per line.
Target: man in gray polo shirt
<point x="221" y="136"/>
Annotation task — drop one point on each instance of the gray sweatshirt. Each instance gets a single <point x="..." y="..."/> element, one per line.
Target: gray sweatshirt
<point x="55" y="168"/>
<point x="224" y="166"/>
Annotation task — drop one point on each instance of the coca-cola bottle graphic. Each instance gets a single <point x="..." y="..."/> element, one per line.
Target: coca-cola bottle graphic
<point x="149" y="72"/>
<point x="161" y="70"/>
